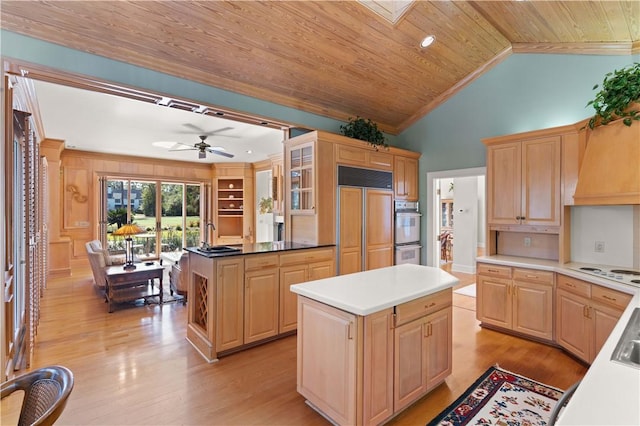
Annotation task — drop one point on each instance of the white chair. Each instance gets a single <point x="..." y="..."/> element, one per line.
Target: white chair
<point x="99" y="259"/>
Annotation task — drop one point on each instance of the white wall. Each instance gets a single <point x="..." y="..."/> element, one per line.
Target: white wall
<point x="482" y="235"/>
<point x="264" y="222"/>
<point x="465" y="224"/>
<point x="616" y="226"/>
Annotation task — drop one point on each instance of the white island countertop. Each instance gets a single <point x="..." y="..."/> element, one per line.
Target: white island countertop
<point x="367" y="292"/>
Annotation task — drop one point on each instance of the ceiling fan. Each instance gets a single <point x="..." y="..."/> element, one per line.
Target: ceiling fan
<point x="202" y="147"/>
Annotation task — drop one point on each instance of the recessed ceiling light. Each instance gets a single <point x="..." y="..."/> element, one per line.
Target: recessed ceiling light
<point x="427" y="41"/>
<point x="249" y="152"/>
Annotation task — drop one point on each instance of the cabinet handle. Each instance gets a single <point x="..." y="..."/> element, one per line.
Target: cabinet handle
<point x="430" y="305"/>
<point x="427" y="330"/>
<point x="350" y="330"/>
<point x="394" y="320"/>
<point x="569" y="285"/>
<point x="493" y="270"/>
<point x="589" y="312"/>
<point x="531" y="276"/>
<point x="613" y="299"/>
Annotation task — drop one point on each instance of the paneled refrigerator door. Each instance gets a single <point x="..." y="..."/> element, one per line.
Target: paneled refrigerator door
<point x="365" y="229"/>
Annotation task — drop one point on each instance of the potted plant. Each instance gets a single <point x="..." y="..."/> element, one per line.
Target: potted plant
<point x="266" y="205"/>
<point x="364" y="130"/>
<point x="618" y="98"/>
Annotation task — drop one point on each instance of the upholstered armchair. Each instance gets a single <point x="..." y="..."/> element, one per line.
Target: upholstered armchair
<point x="100" y="258"/>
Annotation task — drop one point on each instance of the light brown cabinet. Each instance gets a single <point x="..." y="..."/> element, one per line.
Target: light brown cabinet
<point x="585" y="315"/>
<point x="261" y="297"/>
<point x="405" y="178"/>
<point x="363" y="157"/>
<point x="299" y="267"/>
<point x="425" y="341"/>
<point x="229" y="299"/>
<point x="370" y="210"/>
<point x="311" y="163"/>
<point x="233" y="201"/>
<point x="237" y="301"/>
<point x="516" y="299"/>
<point x="523" y="182"/>
<point x="406" y="351"/>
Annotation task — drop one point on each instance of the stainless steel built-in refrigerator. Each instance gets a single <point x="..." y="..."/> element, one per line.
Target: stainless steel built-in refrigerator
<point x="365" y="219"/>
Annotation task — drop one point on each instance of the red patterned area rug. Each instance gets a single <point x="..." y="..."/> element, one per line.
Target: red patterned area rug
<point x="501" y="398"/>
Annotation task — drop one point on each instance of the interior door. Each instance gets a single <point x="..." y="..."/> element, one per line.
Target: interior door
<point x="379" y="228"/>
<point x="350" y="231"/>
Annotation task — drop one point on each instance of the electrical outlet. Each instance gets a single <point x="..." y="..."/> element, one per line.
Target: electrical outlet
<point x="527" y="241"/>
<point x="599" y="248"/>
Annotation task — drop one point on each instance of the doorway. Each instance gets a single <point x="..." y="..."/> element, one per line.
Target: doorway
<point x="168" y="212"/>
<point x="456" y="212"/>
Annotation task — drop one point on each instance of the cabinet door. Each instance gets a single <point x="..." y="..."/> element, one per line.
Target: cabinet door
<point x="604" y="319"/>
<point x="327" y="359"/>
<point x="290" y="275"/>
<point x="350" y="231"/>
<point x="572" y="325"/>
<point x="533" y="309"/>
<point x="229" y="303"/>
<point x="494" y="301"/>
<point x="410" y="363"/>
<point x="503" y="183"/>
<point x="439" y="347"/>
<point x="261" y="295"/>
<point x="378" y="367"/>
<point x="411" y="179"/>
<point x="320" y="270"/>
<point x="399" y="184"/>
<point x="379" y="226"/>
<point x="301" y="165"/>
<point x="541" y="181"/>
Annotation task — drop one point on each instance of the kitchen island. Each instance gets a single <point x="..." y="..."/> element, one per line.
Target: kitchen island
<point x="239" y="296"/>
<point x="371" y="343"/>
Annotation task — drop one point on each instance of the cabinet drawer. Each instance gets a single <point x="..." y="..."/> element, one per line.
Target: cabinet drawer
<point x="610" y="297"/>
<point x="350" y="155"/>
<point x="423" y="306"/>
<point x="306" y="256"/>
<point x="494" y="270"/>
<point x="381" y="160"/>
<point x="573" y="285"/>
<point x="533" y="275"/>
<point x="260" y="261"/>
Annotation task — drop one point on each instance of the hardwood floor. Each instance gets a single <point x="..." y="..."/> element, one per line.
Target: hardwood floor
<point x="135" y="367"/>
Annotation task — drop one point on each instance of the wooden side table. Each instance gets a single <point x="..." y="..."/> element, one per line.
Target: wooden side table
<point x="127" y="285"/>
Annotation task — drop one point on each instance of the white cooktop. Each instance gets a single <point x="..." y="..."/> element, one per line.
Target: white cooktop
<point x="619" y="274"/>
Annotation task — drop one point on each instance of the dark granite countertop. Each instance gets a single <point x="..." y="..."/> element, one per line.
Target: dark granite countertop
<point x="254" y="248"/>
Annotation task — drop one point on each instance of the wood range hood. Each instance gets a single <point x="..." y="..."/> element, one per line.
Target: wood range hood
<point x="610" y="170"/>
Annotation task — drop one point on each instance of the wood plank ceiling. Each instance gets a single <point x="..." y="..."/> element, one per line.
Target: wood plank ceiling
<point x="334" y="58"/>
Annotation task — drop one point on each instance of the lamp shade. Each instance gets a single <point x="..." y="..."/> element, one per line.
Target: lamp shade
<point x="129" y="229"/>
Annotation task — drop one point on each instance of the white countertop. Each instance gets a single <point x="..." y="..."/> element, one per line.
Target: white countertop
<point x="609" y="393"/>
<point x="363" y="293"/>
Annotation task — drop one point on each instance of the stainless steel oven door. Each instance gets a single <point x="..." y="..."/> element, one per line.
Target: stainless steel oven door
<point x="407" y="227"/>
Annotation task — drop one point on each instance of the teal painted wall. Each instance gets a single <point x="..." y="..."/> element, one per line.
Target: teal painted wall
<point x="525" y="92"/>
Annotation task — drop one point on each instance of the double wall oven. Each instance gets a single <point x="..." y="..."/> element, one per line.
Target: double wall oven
<point x="407" y="232"/>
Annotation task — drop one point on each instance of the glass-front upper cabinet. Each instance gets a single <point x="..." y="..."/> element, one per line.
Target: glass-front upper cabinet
<point x="301" y="174"/>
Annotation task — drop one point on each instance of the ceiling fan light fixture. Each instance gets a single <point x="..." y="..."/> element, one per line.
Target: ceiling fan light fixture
<point x="427" y="41"/>
<point x="202" y="154"/>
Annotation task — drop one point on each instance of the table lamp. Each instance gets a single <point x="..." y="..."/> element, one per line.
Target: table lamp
<point x="128" y="230"/>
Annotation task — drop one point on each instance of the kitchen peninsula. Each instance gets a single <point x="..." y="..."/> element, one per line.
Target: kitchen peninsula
<point x="371" y="343"/>
<point x="239" y="295"/>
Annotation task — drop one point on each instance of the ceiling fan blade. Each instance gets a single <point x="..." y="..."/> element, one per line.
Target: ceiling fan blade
<point x="222" y="153"/>
<point x="179" y="146"/>
<point x="194" y="128"/>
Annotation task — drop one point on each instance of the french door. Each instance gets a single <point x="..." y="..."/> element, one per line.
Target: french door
<point x="168" y="212"/>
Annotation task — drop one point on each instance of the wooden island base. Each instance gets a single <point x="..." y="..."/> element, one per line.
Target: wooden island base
<point x="360" y="370"/>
